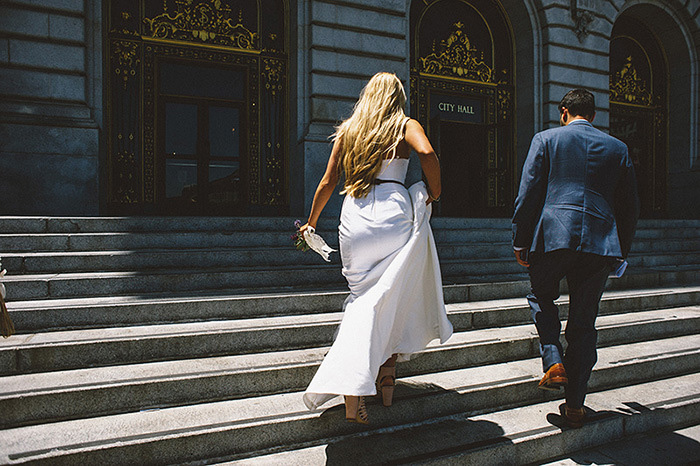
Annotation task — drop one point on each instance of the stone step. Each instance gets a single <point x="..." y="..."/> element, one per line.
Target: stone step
<point x="652" y="246"/>
<point x="530" y="434"/>
<point x="140" y="224"/>
<point x="156" y="259"/>
<point x="86" y="284"/>
<point x="638" y="263"/>
<point x="505" y="223"/>
<point x="679" y="446"/>
<point x="66" y="284"/>
<point x="21" y="242"/>
<point x="149" y="240"/>
<point x="667" y="233"/>
<point x="644" y="254"/>
<point x="204" y="239"/>
<point x="32" y="398"/>
<point x="30" y="225"/>
<point x="254" y="338"/>
<point x="269" y="237"/>
<point x="448" y="236"/>
<point x="440" y="413"/>
<point x="58" y="314"/>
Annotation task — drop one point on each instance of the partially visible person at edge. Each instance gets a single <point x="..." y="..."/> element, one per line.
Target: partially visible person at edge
<point x="575" y="217"/>
<point x="395" y="306"/>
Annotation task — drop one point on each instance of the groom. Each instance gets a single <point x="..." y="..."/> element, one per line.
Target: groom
<point x="575" y="216"/>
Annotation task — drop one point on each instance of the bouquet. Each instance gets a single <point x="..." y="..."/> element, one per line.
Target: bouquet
<point x="298" y="238"/>
<point x="310" y="240"/>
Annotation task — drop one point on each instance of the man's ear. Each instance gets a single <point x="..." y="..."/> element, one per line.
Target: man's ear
<point x="592" y="118"/>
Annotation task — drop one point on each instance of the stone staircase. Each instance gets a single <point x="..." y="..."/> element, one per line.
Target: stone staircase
<point x="190" y="340"/>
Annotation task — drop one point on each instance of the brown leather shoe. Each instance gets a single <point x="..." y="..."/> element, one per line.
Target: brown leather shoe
<point x="573" y="417"/>
<point x="554" y="379"/>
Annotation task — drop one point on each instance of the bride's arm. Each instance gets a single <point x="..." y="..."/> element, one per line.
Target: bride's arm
<point x="325" y="187"/>
<point x="418" y="141"/>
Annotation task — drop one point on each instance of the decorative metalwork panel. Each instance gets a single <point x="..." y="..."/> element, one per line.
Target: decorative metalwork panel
<point x="627" y="87"/>
<point x="273" y="112"/>
<point x="125" y="60"/>
<point x="210" y="21"/>
<point x="505" y="97"/>
<point x="456" y="57"/>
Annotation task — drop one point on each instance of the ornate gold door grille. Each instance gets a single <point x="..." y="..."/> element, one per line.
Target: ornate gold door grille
<point x="639" y="108"/>
<point x="249" y="35"/>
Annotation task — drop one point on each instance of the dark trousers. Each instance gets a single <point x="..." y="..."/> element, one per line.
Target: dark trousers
<point x="586" y="275"/>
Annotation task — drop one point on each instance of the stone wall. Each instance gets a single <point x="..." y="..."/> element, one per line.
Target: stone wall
<point x="576" y="54"/>
<point x="51" y="87"/>
<point x="341" y="45"/>
<point x="50" y="106"/>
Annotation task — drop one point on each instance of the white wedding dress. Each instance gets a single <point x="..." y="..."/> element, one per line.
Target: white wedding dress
<point x="395" y="303"/>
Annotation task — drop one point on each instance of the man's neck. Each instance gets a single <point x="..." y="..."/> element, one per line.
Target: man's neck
<point x="577" y="118"/>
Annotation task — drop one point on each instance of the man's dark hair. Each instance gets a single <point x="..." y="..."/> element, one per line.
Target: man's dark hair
<point x="579" y="102"/>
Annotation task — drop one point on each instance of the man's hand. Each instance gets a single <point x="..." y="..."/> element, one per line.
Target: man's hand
<point x="520" y="255"/>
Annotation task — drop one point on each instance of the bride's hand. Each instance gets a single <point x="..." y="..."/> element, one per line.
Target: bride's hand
<point x="431" y="198"/>
<point x="305" y="227"/>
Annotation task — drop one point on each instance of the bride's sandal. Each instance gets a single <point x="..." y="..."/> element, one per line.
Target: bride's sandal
<point x="385" y="384"/>
<point x="355" y="409"/>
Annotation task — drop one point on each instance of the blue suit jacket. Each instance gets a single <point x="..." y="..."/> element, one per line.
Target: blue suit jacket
<point x="578" y="191"/>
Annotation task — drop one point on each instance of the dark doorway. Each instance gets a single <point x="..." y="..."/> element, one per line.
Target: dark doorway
<point x="639" y="109"/>
<point x="462" y="90"/>
<point x="462" y="149"/>
<point x="201" y="144"/>
<point x="197" y="109"/>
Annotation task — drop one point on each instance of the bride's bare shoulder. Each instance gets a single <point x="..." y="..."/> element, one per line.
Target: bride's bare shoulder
<point x="414" y="125"/>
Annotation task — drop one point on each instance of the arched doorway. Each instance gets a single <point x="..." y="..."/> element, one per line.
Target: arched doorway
<point x="639" y="108"/>
<point x="462" y="91"/>
<point x="197" y="107"/>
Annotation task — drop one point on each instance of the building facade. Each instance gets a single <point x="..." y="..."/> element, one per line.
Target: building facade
<point x="224" y="107"/>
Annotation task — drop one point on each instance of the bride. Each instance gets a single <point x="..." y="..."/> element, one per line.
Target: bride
<point x="395" y="307"/>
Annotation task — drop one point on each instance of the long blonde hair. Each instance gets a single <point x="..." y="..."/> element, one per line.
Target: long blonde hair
<point x="374" y="130"/>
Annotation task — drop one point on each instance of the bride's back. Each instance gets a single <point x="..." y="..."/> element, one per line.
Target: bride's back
<point x="372" y="133"/>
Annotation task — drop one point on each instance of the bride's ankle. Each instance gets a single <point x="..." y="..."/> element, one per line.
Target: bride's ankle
<point x="391" y="362"/>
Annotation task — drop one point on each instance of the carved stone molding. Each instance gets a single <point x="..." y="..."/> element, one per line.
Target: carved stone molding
<point x="582" y="20"/>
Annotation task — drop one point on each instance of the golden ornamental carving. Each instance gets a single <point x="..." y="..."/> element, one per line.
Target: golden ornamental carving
<point x="455" y="56"/>
<point x="628" y="88"/>
<point x="126" y="190"/>
<point x="504" y="103"/>
<point x="124" y="60"/>
<point x="207" y="21"/>
<point x="272" y="75"/>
